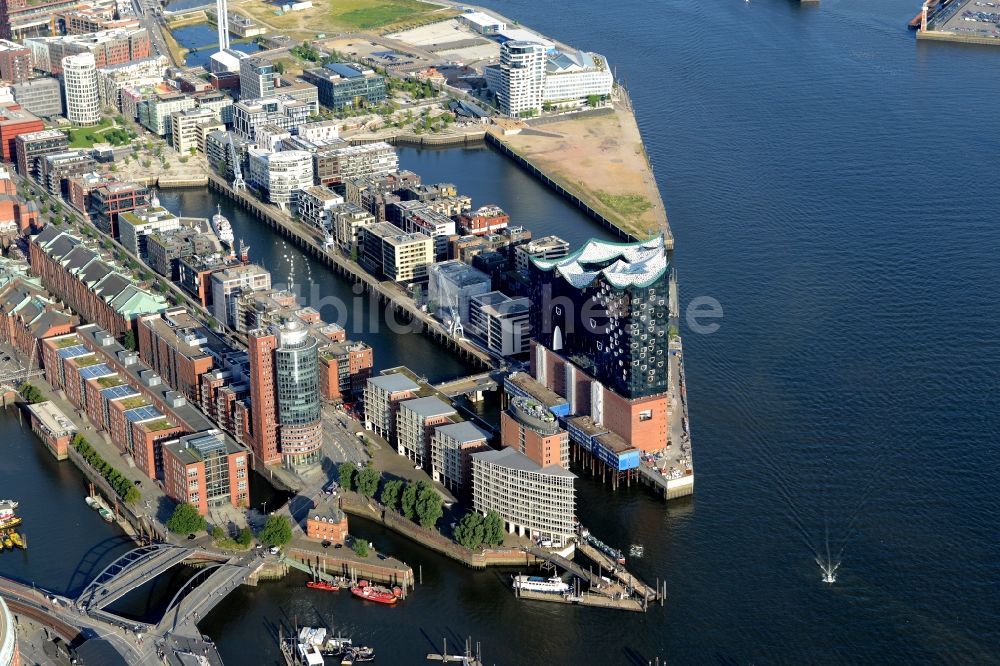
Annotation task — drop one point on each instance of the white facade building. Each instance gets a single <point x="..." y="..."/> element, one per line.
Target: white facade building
<point x="522" y="78"/>
<point x="534" y="501"/>
<point x="570" y="78"/>
<point x="83" y="102"/>
<point x="280" y="176"/>
<point x="135" y="74"/>
<point x="501" y="322"/>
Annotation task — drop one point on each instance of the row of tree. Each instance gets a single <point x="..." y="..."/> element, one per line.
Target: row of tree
<point x="416" y="500"/>
<point x="121" y="485"/>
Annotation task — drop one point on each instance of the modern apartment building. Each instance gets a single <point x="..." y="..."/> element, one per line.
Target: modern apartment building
<point x="57" y="169"/>
<point x="139" y="73"/>
<point x="164" y="251"/>
<point x="424" y="219"/>
<point x="500" y="322"/>
<point x="154" y="110"/>
<point x="572" y="77"/>
<point x="229" y="284"/>
<point x="483" y="221"/>
<point x="382" y="397"/>
<point x="547" y="248"/>
<point x="30" y="147"/>
<point x="42" y="97"/>
<point x="533" y="501"/>
<point x="531" y="429"/>
<point x="15" y="61"/>
<point x="249" y="114"/>
<point x="386" y="251"/>
<point x="347" y="221"/>
<point x="206" y="469"/>
<point x="416" y="420"/>
<point x="280" y="176"/>
<point x="188" y="129"/>
<point x="336" y="164"/>
<point x="256" y="78"/>
<point x="450" y="286"/>
<point x="136" y="226"/>
<point x="314" y="206"/>
<point x="179" y="348"/>
<point x="344" y="369"/>
<point x="343" y="85"/>
<point x="108" y="201"/>
<point x="452" y="446"/>
<point x="521" y="88"/>
<point x="15" y="121"/>
<point x="110" y="47"/>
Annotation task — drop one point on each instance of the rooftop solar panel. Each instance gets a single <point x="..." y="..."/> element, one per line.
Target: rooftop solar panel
<point x="143" y="413"/>
<point x="115" y="392"/>
<point x="70" y="352"/>
<point x="99" y="370"/>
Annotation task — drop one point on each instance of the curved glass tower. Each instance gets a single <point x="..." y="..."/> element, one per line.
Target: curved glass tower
<point x="296" y="387"/>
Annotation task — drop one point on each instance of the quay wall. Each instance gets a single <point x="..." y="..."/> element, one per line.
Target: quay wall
<point x="941" y="36"/>
<point x="350" y="568"/>
<point x="124" y="514"/>
<point x="402" y="138"/>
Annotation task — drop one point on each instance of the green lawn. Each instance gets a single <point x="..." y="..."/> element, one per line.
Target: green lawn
<point x="105" y="132"/>
<point x="378" y="15"/>
<point x="624" y="204"/>
<point x="331" y="16"/>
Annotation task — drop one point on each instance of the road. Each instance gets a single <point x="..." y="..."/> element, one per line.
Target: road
<point x="147" y="11"/>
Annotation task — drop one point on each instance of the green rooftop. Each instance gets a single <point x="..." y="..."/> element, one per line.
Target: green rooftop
<point x="162" y="424"/>
<point x="86" y="361"/>
<point x="134" y="402"/>
<point x="109" y="382"/>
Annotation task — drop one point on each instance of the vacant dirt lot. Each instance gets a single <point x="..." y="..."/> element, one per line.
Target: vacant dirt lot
<point x="600" y="159"/>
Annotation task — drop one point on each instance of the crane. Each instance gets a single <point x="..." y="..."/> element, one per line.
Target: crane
<point x="238" y="182"/>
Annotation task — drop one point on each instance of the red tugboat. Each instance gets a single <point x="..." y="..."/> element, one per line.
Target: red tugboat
<point x="322" y="585"/>
<point x="364" y="590"/>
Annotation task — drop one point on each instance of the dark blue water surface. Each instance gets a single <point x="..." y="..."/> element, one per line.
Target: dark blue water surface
<point x="833" y="185"/>
<point x="204" y="39"/>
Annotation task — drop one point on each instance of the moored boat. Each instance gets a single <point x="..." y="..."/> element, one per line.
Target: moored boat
<point x="16" y="540"/>
<point x="221" y="226"/>
<point x="106" y="515"/>
<point x="364" y="590"/>
<point x="93" y="503"/>
<point x="328" y="645"/>
<point x="322" y="585"/>
<point x="553" y="585"/>
<point x="8" y="518"/>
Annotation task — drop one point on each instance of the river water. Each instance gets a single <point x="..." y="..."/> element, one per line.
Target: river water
<point x="832" y="184"/>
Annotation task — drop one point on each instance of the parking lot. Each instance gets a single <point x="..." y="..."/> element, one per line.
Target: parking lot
<point x="970" y="17"/>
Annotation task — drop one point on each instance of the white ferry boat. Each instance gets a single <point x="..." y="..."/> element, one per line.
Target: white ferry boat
<point x="554" y="585"/>
<point x="221" y="227"/>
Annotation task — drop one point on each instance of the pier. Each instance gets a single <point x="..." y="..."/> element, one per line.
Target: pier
<point x="387" y="292"/>
<point x="626" y="593"/>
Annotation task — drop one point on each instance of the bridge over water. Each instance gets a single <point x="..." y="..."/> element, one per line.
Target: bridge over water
<point x="173" y="638"/>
